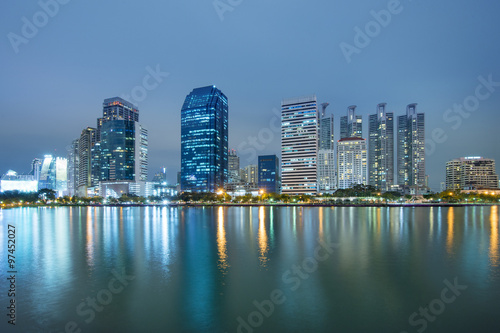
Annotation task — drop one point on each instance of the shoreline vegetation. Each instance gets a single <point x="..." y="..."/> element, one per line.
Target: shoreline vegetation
<point x="358" y="196"/>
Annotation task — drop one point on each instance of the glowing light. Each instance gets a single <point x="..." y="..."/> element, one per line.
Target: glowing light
<point x="494" y="255"/>
<point x="449" y="238"/>
<point x="221" y="242"/>
<point x="262" y="237"/>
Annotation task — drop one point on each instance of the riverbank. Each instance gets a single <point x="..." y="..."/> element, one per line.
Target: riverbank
<point x="230" y="204"/>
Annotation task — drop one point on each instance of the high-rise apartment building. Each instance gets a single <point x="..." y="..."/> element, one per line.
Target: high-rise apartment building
<point x="411" y="148"/>
<point x="234" y="167"/>
<point x="352" y="166"/>
<point x="86" y="157"/>
<point x="250" y="175"/>
<point x="381" y="149"/>
<point x="471" y="173"/>
<point x="268" y="174"/>
<point x="299" y="145"/>
<point x="351" y="125"/>
<point x="327" y="182"/>
<point x="204" y="140"/>
<point x="36" y="168"/>
<point x="73" y="168"/>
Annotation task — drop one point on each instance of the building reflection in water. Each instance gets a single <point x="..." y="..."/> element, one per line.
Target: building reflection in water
<point x="262" y="237"/>
<point x="90" y="244"/>
<point x="494" y="255"/>
<point x="451" y="224"/>
<point x="222" y="242"/>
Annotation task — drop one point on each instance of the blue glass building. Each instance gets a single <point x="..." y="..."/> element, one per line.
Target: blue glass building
<point x="123" y="151"/>
<point x="204" y="140"/>
<point x="268" y="173"/>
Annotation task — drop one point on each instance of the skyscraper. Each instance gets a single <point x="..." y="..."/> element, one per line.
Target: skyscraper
<point x="327" y="182"/>
<point x="73" y="168"/>
<point x="53" y="174"/>
<point x="299" y="145"/>
<point x="351" y="162"/>
<point x="86" y="154"/>
<point x="124" y="151"/>
<point x="351" y="126"/>
<point x="269" y="173"/>
<point x="234" y="167"/>
<point x="120" y="154"/>
<point x="48" y="173"/>
<point x="381" y="149"/>
<point x="251" y="175"/>
<point x="204" y="140"/>
<point x="117" y="108"/>
<point x="411" y="148"/>
<point x="36" y="167"/>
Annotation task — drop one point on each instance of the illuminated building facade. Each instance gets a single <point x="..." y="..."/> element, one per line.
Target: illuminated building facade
<point x="299" y="145"/>
<point x="381" y="149"/>
<point x="352" y="163"/>
<point x="471" y="173"/>
<point x="204" y="140"/>
<point x="351" y="125"/>
<point x="268" y="179"/>
<point x="411" y="148"/>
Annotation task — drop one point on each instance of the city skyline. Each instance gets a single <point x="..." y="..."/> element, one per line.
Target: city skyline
<point x="437" y="73"/>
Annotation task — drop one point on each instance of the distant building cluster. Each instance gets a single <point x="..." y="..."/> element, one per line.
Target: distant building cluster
<point x="47" y="173"/>
<point x="312" y="161"/>
<point x="111" y="159"/>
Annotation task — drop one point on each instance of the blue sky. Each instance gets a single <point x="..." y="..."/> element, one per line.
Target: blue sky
<point x="430" y="53"/>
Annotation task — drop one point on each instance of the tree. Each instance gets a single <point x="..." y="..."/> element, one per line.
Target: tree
<point x="46" y="194"/>
<point x="391" y="195"/>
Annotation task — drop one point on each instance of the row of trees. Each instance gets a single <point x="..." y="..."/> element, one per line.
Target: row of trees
<point x="14" y="197"/>
<point x="358" y="191"/>
<point x="457" y="196"/>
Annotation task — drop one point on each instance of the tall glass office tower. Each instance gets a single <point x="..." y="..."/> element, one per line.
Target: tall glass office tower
<point x="269" y="173"/>
<point x="204" y="140"/>
<point x="124" y="149"/>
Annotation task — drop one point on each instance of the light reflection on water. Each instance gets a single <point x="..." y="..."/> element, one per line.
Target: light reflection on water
<point x="199" y="269"/>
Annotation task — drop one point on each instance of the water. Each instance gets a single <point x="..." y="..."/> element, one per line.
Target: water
<point x="253" y="269"/>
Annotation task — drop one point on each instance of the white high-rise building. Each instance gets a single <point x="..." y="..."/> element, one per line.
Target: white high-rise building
<point x="299" y="145"/>
<point x="471" y="173"/>
<point x="141" y="153"/>
<point x="352" y="166"/>
<point x="251" y="175"/>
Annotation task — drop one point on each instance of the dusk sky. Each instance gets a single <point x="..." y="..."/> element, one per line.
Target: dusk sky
<point x="431" y="53"/>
